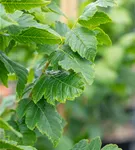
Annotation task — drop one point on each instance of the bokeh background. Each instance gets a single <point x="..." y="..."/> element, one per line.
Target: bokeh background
<point x="107" y="108"/>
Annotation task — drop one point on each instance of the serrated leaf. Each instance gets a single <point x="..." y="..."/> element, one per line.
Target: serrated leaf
<point x="98" y="19"/>
<point x="4" y="125"/>
<point x="12" y="5"/>
<point x="83" y="41"/>
<point x="5" y="19"/>
<point x="45" y="117"/>
<point x="102" y="37"/>
<point x="12" y="145"/>
<point x="69" y="60"/>
<point x="61" y="28"/>
<point x="111" y="147"/>
<point x="82" y="145"/>
<point x="95" y="144"/>
<point x="3" y="73"/>
<point x="61" y="86"/>
<point x="38" y="35"/>
<point x="16" y="68"/>
<point x="91" y="17"/>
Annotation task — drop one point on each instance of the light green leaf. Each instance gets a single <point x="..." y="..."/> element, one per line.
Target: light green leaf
<point x="91" y="17"/>
<point x="82" y="145"/>
<point x="96" y="20"/>
<point x="111" y="147"/>
<point x="54" y="8"/>
<point x="106" y="3"/>
<point x="102" y="37"/>
<point x="5" y="19"/>
<point x="95" y="144"/>
<point x="46" y="48"/>
<point x="12" y="145"/>
<point x="61" y="28"/>
<point x="3" y="73"/>
<point x="4" y="125"/>
<point x="19" y="70"/>
<point x="83" y="41"/>
<point x="12" y="5"/>
<point x="69" y="60"/>
<point x="38" y="35"/>
<point x="60" y="86"/>
<point x="45" y="117"/>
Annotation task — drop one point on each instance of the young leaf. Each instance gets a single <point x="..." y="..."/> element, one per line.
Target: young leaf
<point x="38" y="35"/>
<point x="45" y="117"/>
<point x="12" y="145"/>
<point x="19" y="70"/>
<point x="83" y="41"/>
<point x="4" y="125"/>
<point x="61" y="86"/>
<point x="12" y="5"/>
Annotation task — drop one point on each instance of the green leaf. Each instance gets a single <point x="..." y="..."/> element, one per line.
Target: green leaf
<point x="12" y="5"/>
<point x="95" y="144"/>
<point x="5" y="19"/>
<point x="96" y="20"/>
<point x="111" y="147"/>
<point x="54" y="8"/>
<point x="60" y="86"/>
<point x="91" y="17"/>
<point x="69" y="60"/>
<point x="102" y="37"/>
<point x="4" y="125"/>
<point x="61" y="28"/>
<point x="12" y="145"/>
<point x="12" y="43"/>
<point x="3" y="74"/>
<point x="46" y="48"/>
<point x="38" y="35"/>
<point x="29" y="136"/>
<point x="82" y="145"/>
<point x="19" y="70"/>
<point x="106" y="3"/>
<point x="83" y="41"/>
<point x="45" y="117"/>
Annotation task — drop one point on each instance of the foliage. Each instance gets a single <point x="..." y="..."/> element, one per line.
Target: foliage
<point x="64" y="67"/>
